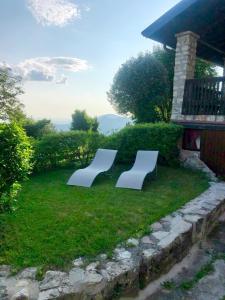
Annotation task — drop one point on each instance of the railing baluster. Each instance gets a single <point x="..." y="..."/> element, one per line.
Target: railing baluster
<point x="204" y="97"/>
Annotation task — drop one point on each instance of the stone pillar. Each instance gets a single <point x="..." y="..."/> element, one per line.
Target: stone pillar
<point x="184" y="69"/>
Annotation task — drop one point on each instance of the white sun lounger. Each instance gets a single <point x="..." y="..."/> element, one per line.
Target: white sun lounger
<point x="145" y="163"/>
<point x="102" y="162"/>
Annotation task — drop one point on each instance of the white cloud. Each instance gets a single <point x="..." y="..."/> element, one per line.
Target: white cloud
<point x="62" y="80"/>
<point x="47" y="68"/>
<point x="67" y="63"/>
<point x="53" y="12"/>
<point x="35" y="69"/>
<point x="4" y="65"/>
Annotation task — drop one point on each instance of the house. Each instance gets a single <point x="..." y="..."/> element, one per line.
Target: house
<point x="196" y="28"/>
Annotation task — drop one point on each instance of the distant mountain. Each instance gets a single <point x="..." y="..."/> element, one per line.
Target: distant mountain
<point x="62" y="127"/>
<point x="111" y="123"/>
<point x="107" y="124"/>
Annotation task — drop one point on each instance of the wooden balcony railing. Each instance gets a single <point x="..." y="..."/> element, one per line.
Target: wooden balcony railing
<point x="204" y="96"/>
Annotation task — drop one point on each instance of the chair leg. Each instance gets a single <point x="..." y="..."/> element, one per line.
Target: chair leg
<point x="156" y="171"/>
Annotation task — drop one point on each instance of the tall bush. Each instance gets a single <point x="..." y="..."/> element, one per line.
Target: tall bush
<point x="61" y="149"/>
<point x="15" y="156"/>
<point x="160" y="136"/>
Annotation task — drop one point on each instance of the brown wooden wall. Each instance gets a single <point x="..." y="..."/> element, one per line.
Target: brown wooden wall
<point x="213" y="150"/>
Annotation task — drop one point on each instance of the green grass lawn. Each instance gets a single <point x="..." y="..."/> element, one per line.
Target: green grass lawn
<point x="56" y="223"/>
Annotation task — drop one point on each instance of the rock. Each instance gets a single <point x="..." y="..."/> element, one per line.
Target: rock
<point x="191" y="159"/>
<point x="89" y="281"/>
<point x="93" y="266"/>
<point x="132" y="242"/>
<point x="93" y="283"/>
<point x="23" y="283"/>
<point x="159" y="235"/>
<point x="29" y="273"/>
<point x="79" y="262"/>
<point x="3" y="292"/>
<point x="121" y="254"/>
<point x="116" y="269"/>
<point x="54" y="279"/>
<point x="156" y="226"/>
<point x="21" y="295"/>
<point x="49" y="294"/>
<point x="179" y="226"/>
<point x="168" y="240"/>
<point x="146" y="240"/>
<point x="192" y="218"/>
<point x="92" y="278"/>
<point x="5" y="271"/>
<point x="147" y="253"/>
<point x="194" y="210"/>
<point x="103" y="256"/>
<point x="76" y="277"/>
<point x="208" y="206"/>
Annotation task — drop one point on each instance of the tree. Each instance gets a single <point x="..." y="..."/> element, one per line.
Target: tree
<point x="143" y="86"/>
<point x="38" y="129"/>
<point x="138" y="87"/>
<point x="167" y="59"/>
<point x="204" y="69"/>
<point x="81" y="121"/>
<point x="10" y="107"/>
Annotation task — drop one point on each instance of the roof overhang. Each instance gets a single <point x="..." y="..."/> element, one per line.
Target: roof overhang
<point x="203" y="17"/>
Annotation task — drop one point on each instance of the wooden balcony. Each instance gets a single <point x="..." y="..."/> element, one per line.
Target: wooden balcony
<point x="204" y="97"/>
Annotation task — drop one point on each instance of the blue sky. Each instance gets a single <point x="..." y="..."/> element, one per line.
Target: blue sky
<point x="68" y="51"/>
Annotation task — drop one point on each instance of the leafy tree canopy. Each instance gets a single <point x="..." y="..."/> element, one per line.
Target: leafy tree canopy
<point x="81" y="121"/>
<point x="10" y="106"/>
<point x="143" y="86"/>
<point x="139" y="85"/>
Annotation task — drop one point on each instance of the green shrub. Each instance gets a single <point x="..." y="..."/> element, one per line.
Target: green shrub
<point x="15" y="155"/>
<point x="62" y="149"/>
<point x="161" y="136"/>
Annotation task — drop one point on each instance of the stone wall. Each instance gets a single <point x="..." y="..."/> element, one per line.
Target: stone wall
<point x="134" y="264"/>
<point x="191" y="159"/>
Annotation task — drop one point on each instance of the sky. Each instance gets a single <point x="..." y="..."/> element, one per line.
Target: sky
<point x="68" y="51"/>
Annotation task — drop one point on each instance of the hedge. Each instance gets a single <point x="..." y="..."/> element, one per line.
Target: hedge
<point x="62" y="149"/>
<point x="15" y="162"/>
<point x="159" y="136"/>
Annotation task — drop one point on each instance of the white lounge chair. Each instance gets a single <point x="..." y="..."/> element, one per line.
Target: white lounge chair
<point x="145" y="163"/>
<point x="102" y="162"/>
